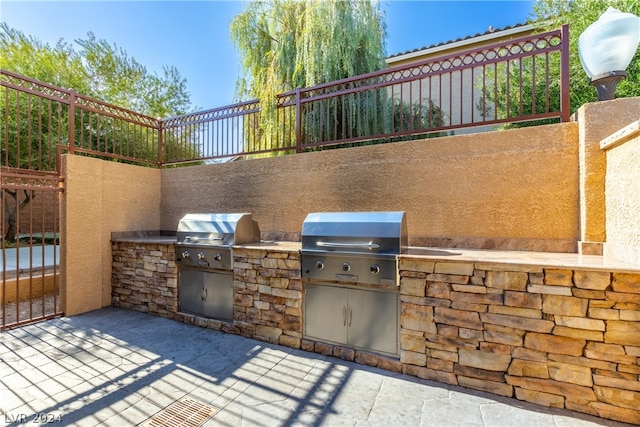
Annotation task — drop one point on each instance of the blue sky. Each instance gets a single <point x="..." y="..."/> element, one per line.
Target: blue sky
<point x="193" y="36"/>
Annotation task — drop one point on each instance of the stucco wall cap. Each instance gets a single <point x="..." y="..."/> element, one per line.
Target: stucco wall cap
<point x="623" y="135"/>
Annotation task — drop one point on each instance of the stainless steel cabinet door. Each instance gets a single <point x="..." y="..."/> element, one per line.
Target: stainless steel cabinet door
<point x="190" y="291"/>
<point x="373" y="320"/>
<point x="325" y="313"/>
<point x="218" y="295"/>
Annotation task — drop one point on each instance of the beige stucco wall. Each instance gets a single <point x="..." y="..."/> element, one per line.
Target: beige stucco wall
<point x="597" y="121"/>
<point x="514" y="189"/>
<point x="100" y="197"/>
<point x="622" y="195"/>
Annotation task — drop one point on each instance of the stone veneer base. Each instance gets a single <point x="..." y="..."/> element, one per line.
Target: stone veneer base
<point x="554" y="336"/>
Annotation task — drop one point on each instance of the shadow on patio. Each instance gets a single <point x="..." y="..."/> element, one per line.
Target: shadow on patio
<point x="117" y="367"/>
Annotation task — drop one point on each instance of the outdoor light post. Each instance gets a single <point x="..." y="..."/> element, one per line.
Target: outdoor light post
<point x="606" y="48"/>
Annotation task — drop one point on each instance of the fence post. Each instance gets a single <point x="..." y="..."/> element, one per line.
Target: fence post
<point x="565" y="105"/>
<point x="298" y="122"/>
<point x="72" y="121"/>
<point x="159" y="127"/>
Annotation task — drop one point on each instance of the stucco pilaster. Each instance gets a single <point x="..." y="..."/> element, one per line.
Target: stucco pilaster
<point x="596" y="121"/>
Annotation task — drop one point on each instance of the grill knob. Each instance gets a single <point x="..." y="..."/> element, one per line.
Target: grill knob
<point x="319" y="265"/>
<point x="201" y="256"/>
<point x="217" y="257"/>
<point x="346" y="266"/>
<point x="185" y="254"/>
<point x="375" y="269"/>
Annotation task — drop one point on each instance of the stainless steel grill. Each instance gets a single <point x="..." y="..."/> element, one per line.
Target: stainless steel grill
<point x="359" y="247"/>
<point x="350" y="274"/>
<point x="204" y="256"/>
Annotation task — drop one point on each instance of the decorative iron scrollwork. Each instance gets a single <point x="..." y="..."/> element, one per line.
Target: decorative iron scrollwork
<point x="27" y="181"/>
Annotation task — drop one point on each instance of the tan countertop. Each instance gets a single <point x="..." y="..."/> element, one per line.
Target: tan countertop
<point x="160" y="240"/>
<point x="523" y="258"/>
<point x="171" y="240"/>
<point x="515" y="258"/>
<point x="271" y="245"/>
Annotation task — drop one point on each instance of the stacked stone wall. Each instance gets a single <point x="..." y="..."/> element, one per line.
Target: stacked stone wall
<point x="555" y="337"/>
<point x="268" y="295"/>
<point x="562" y="338"/>
<point x="144" y="277"/>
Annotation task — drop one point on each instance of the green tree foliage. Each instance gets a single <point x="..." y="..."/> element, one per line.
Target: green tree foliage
<point x="525" y="94"/>
<point x="424" y="115"/>
<point x="290" y="44"/>
<point x="31" y="126"/>
<point x="579" y="14"/>
<point x="59" y="65"/>
<point x="98" y="69"/>
<point x="286" y="45"/>
<point x="121" y="80"/>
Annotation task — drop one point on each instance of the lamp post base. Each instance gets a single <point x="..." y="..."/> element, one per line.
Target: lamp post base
<point x="606" y="84"/>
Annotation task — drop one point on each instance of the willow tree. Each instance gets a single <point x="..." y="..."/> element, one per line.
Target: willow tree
<point x="286" y="45"/>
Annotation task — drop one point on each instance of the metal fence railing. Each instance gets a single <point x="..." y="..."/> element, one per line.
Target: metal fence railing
<point x="40" y="120"/>
<point x="525" y="79"/>
<point x="521" y="80"/>
<point x="29" y="247"/>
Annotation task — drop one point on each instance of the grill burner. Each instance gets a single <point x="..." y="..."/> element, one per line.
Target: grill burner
<point x="205" y="259"/>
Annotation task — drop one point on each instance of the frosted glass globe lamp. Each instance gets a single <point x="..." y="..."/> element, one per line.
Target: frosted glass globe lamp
<point x="606" y="48"/>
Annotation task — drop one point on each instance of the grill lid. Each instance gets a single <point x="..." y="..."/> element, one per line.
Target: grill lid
<point x="217" y="229"/>
<point x="359" y="232"/>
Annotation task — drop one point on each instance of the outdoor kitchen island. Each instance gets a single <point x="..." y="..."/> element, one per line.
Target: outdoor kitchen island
<point x="559" y="330"/>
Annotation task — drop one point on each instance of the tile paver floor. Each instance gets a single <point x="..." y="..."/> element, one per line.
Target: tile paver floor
<point x="114" y="367"/>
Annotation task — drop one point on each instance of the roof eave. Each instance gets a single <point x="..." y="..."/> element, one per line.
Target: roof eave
<point x="460" y="43"/>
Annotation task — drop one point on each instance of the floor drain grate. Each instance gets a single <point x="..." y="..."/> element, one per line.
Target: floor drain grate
<point x="185" y="413"/>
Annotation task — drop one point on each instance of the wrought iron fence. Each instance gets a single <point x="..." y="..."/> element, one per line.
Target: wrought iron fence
<point x="29" y="247"/>
<point x="40" y="120"/>
<point x="100" y="129"/>
<point x="521" y="80"/>
<point x="525" y="79"/>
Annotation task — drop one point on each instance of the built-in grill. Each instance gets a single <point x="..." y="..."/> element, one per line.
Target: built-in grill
<point x="204" y="256"/>
<point x="358" y="247"/>
<point x="350" y="273"/>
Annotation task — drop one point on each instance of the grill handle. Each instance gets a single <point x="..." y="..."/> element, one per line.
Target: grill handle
<point x="197" y="239"/>
<point x="341" y="245"/>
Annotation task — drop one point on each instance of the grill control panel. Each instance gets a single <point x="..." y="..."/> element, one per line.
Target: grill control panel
<point x="349" y="268"/>
<point x="198" y="256"/>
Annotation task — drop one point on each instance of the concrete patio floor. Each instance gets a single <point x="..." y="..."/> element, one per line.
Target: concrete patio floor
<point x="114" y="367"/>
